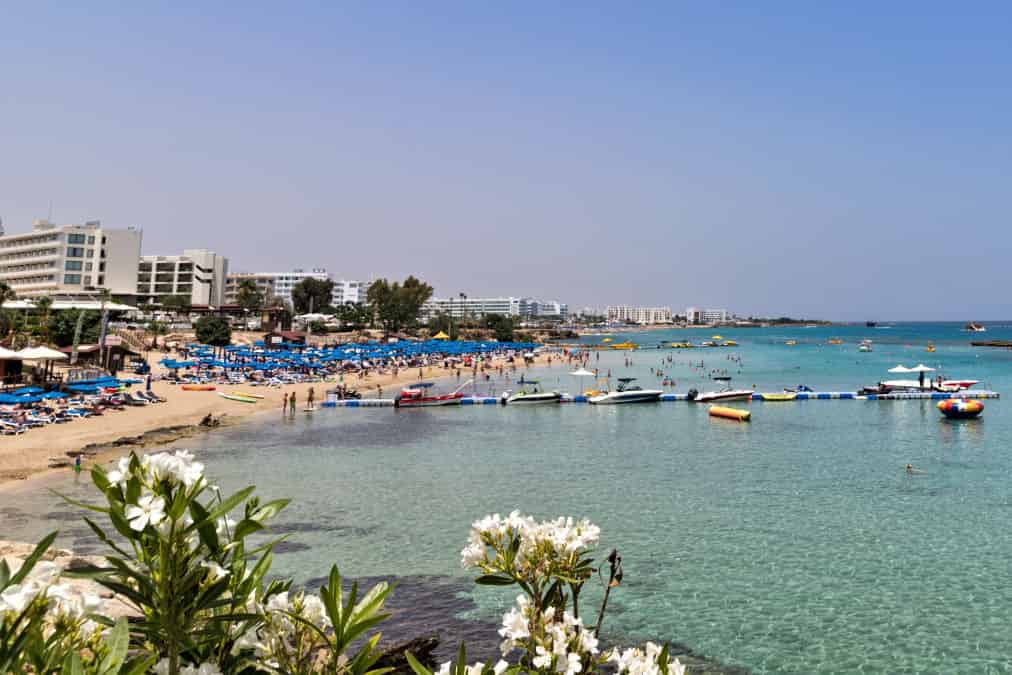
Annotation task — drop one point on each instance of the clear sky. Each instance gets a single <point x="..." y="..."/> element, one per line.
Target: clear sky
<point x="839" y="160"/>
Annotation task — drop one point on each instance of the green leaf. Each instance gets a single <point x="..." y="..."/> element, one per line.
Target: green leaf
<point x="122" y="525"/>
<point x="33" y="558"/>
<point x="99" y="477"/>
<point x="74" y="502"/>
<point x="72" y="665"/>
<point x="494" y="580"/>
<point x="269" y="510"/>
<point x="118" y="642"/>
<point x="104" y="538"/>
<point x="5" y="574"/>
<point x="245" y="528"/>
<point x="205" y="527"/>
<point x="416" y="665"/>
<point x="227" y="505"/>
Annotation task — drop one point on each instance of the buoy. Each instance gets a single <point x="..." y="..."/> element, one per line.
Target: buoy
<point x="730" y="413"/>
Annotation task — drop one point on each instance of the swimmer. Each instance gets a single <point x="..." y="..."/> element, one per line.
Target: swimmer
<point x="911" y="470"/>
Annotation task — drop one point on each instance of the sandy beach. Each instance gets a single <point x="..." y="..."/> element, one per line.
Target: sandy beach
<point x="29" y="454"/>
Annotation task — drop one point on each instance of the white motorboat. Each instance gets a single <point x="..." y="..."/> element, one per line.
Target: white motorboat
<point x="529" y="397"/>
<point x="724" y="394"/>
<point x="974" y="327"/>
<point x="865" y="346"/>
<point x="627" y="393"/>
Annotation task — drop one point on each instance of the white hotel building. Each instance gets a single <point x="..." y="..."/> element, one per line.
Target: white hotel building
<point x="280" y="285"/>
<point x="197" y="274"/>
<point x="640" y="315"/>
<point x="696" y="316"/>
<point x="65" y="260"/>
<point x="527" y="308"/>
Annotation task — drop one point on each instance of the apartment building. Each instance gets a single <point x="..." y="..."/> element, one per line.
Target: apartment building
<point x="526" y="308"/>
<point x="280" y="285"/>
<point x="697" y="316"/>
<point x="197" y="274"/>
<point x="640" y="315"/>
<point x="65" y="260"/>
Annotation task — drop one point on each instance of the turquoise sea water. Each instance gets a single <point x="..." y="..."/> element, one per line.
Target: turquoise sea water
<point x="794" y="544"/>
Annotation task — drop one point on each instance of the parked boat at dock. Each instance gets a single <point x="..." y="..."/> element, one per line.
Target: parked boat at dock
<point x="534" y="396"/>
<point x="724" y="394"/>
<point x="626" y="392"/>
<point x="418" y="396"/>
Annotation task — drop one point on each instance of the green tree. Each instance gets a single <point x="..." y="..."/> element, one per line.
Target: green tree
<point x="397" y="305"/>
<point x="43" y="310"/>
<point x="312" y="295"/>
<point x="353" y="315"/>
<point x="7" y="319"/>
<point x="249" y="296"/>
<point x="175" y="304"/>
<point x="443" y="322"/>
<point x="62" y="324"/>
<point x="156" y="329"/>
<point x="501" y="326"/>
<point x="213" y="330"/>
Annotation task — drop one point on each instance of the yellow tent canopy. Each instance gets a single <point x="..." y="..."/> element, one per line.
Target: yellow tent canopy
<point x="717" y="337"/>
<point x="440" y="336"/>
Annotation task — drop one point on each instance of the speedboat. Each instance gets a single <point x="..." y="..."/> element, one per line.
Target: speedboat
<point x="418" y="396"/>
<point x="865" y="346"/>
<point x="535" y="395"/>
<point x="957" y="385"/>
<point x="725" y="394"/>
<point x="626" y="392"/>
<point x="974" y="328"/>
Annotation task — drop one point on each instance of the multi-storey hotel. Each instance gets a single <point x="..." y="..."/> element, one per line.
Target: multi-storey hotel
<point x="527" y="308"/>
<point x="198" y="275"/>
<point x="67" y="260"/>
<point x="697" y="316"/>
<point x="641" y="315"/>
<point x="280" y="285"/>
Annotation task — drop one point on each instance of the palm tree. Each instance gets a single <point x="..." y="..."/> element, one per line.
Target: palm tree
<point x="7" y="294"/>
<point x="44" y="306"/>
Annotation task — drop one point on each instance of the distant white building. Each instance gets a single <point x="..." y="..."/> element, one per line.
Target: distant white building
<point x="66" y="260"/>
<point x="197" y="274"/>
<point x="697" y="316"/>
<point x="524" y="308"/>
<point x="640" y="315"/>
<point x="280" y="285"/>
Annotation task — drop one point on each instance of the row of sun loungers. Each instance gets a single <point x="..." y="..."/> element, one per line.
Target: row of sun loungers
<point x="20" y="418"/>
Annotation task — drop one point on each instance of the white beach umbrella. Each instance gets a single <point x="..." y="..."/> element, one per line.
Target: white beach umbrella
<point x="921" y="368"/>
<point x="582" y="373"/>
<point x="900" y="369"/>
<point x="8" y="354"/>
<point x="41" y="354"/>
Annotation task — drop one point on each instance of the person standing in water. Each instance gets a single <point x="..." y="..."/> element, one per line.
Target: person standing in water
<point x="284" y="403"/>
<point x="291" y="404"/>
<point x="311" y="399"/>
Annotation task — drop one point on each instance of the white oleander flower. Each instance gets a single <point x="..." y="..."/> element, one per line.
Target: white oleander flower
<point x="162" y="668"/>
<point x="224" y="526"/>
<point x="149" y="510"/>
<point x="121" y="474"/>
<point x="216" y="570"/>
<point x="16" y="597"/>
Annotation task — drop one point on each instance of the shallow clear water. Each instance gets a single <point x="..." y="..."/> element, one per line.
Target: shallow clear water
<point x="794" y="544"/>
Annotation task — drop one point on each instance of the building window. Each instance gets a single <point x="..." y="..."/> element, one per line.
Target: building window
<point x="91" y="253"/>
<point x="87" y="281"/>
<point x="101" y="267"/>
<point x="91" y="239"/>
<point x="87" y="267"/>
<point x="71" y="278"/>
<point x="75" y="238"/>
<point x="73" y="265"/>
<point x="101" y="280"/>
<point x="75" y="252"/>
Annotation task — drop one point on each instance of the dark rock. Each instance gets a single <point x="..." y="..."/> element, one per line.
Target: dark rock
<point x="422" y="648"/>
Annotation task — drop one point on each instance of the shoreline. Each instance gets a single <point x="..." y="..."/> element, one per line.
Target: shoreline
<point x="106" y="437"/>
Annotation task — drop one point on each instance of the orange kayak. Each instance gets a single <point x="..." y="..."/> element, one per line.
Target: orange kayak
<point x="198" y="387"/>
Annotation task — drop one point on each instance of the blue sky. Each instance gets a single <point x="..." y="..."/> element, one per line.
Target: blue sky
<point x="839" y="160"/>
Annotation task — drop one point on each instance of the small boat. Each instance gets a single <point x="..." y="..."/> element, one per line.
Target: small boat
<point x="730" y="343"/>
<point x="624" y="345"/>
<point x="930" y="348"/>
<point x="791" y="343"/>
<point x="682" y="345"/>
<point x="836" y="341"/>
<point x="865" y="346"/>
<point x="725" y="394"/>
<point x="871" y="324"/>
<point x="974" y="328"/>
<point x="525" y="397"/>
<point x="198" y="387"/>
<point x="708" y="343"/>
<point x="246" y="394"/>
<point x="786" y="396"/>
<point x="960" y="385"/>
<point x="961" y="409"/>
<point x="238" y="397"/>
<point x="626" y="393"/>
<point x="418" y="396"/>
